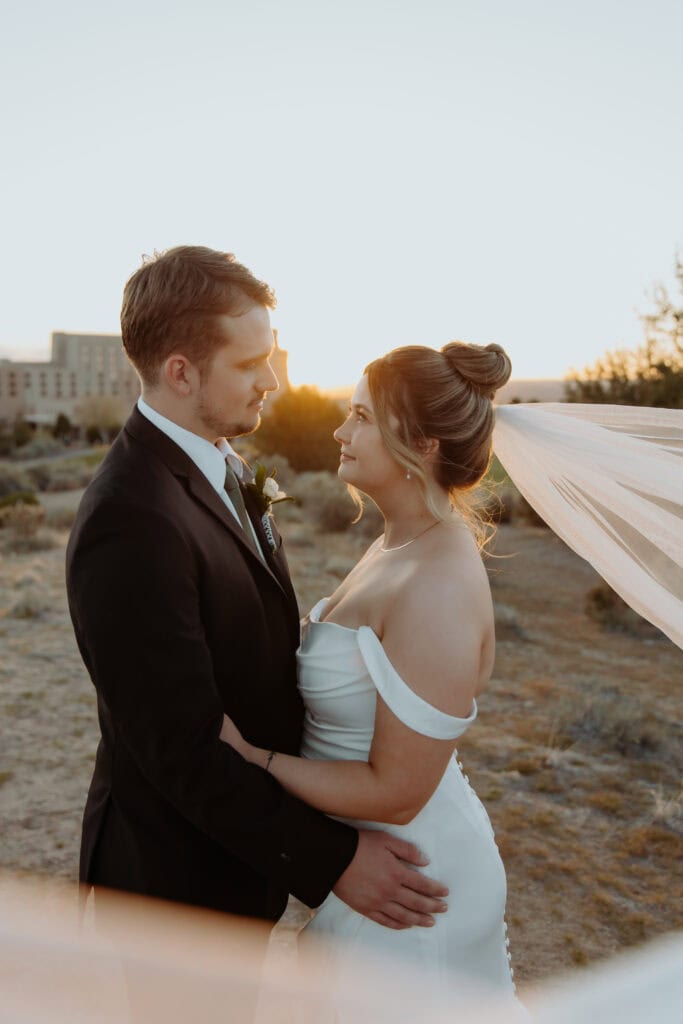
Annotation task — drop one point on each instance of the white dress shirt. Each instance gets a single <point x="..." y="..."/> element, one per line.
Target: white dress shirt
<point x="209" y="458"/>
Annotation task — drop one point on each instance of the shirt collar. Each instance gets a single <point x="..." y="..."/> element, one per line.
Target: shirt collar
<point x="207" y="457"/>
<point x="231" y="456"/>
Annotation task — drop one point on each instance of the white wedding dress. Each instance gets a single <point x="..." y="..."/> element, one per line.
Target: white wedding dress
<point x="340" y="672"/>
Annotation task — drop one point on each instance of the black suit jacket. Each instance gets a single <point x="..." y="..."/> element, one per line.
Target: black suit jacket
<point x="178" y="620"/>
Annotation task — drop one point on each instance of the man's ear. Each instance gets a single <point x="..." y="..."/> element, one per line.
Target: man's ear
<point x="179" y="374"/>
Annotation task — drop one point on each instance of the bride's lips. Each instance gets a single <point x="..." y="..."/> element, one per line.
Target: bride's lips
<point x="343" y="457"/>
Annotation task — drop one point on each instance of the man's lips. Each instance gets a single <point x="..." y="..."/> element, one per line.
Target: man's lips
<point x="345" y="457"/>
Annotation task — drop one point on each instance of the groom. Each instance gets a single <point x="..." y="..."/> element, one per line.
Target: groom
<point x="183" y="609"/>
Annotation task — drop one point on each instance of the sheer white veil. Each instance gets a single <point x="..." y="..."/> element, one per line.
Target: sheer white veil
<point x="608" y="479"/>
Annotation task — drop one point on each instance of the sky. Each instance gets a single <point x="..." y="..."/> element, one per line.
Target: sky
<point x="400" y="171"/>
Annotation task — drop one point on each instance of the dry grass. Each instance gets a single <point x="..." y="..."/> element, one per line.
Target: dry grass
<point x="576" y="750"/>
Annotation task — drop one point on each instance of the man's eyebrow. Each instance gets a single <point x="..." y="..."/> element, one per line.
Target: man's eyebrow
<point x="260" y="358"/>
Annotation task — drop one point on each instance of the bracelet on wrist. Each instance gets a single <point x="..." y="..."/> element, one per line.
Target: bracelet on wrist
<point x="270" y="757"/>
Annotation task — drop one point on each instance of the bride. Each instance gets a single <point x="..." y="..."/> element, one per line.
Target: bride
<point x="391" y="664"/>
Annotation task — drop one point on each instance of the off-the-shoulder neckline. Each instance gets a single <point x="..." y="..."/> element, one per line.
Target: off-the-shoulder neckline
<point x="318" y="622"/>
<point x="369" y="631"/>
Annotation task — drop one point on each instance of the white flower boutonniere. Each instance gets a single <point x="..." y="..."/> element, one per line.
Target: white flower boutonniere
<point x="266" y="489"/>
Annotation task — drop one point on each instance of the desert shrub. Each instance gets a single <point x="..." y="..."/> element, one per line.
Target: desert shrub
<point x="527" y="513"/>
<point x="68" y="478"/>
<point x="21" y="432"/>
<point x="19" y="497"/>
<point x="613" y="721"/>
<point x="606" y="607"/>
<point x="39" y="475"/>
<point x="18" y="544"/>
<point x="23" y="518"/>
<point x="66" y="475"/>
<point x="94" y="435"/>
<point x="40" y="447"/>
<point x="326" y="501"/>
<point x="24" y="531"/>
<point x="300" y="427"/>
<point x="60" y="518"/>
<point x="30" y="604"/>
<point x="13" y="480"/>
<point x="62" y="428"/>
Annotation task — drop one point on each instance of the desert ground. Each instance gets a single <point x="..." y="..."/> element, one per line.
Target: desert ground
<point x="576" y="752"/>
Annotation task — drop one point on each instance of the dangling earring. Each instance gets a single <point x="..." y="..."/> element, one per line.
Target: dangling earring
<point x="408" y="475"/>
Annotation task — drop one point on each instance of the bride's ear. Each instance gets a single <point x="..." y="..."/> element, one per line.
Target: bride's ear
<point x="428" y="447"/>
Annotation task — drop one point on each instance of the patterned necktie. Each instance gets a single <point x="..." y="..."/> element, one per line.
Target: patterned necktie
<point x="234" y="492"/>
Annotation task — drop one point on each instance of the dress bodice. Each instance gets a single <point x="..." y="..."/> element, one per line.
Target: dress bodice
<point x="341" y="671"/>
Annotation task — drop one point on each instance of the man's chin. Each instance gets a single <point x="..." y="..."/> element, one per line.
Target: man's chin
<point x="245" y="427"/>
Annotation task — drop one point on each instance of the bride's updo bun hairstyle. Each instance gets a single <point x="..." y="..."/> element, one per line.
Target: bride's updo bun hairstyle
<point x="420" y="394"/>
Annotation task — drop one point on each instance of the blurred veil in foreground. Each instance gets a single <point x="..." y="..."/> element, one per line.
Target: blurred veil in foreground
<point x="54" y="970"/>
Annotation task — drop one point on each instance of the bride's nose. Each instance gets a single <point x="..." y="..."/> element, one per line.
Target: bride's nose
<point x="339" y="434"/>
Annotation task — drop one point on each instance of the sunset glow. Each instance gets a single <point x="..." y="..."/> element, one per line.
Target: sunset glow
<point x="398" y="173"/>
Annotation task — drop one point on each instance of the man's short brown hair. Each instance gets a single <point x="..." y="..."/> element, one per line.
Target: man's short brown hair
<point x="171" y="303"/>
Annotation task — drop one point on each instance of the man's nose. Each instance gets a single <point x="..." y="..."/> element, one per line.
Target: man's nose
<point x="270" y="381"/>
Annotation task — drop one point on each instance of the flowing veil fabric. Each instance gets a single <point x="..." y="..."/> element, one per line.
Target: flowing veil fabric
<point x="608" y="479"/>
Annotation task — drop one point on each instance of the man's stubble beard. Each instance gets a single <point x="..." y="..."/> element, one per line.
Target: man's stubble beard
<point x="214" y="423"/>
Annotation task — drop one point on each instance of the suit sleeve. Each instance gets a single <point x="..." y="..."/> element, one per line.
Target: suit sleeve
<point x="134" y="599"/>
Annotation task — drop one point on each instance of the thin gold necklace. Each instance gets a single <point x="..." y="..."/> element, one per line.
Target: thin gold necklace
<point x="416" y="537"/>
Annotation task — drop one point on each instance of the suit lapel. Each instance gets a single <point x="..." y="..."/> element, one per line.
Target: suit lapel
<point x="181" y="465"/>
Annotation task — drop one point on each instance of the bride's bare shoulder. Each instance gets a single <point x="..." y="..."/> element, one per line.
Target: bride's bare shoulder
<point x="441" y="615"/>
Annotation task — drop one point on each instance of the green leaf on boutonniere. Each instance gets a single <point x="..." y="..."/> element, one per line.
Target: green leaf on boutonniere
<point x="265" y="488"/>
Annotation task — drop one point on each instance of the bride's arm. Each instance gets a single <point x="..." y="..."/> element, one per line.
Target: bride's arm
<point x="440" y="660"/>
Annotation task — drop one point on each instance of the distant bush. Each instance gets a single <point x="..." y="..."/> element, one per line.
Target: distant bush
<point x="528" y="514"/>
<point x="300" y="427"/>
<point x="24" y="531"/>
<point x="13" y="480"/>
<point x="21" y="432"/>
<point x="60" y="518"/>
<point x="615" y="722"/>
<point x="39" y="447"/>
<point x="650" y="375"/>
<point x="67" y="475"/>
<point x="30" y="604"/>
<point x="63" y="428"/>
<point x="606" y="607"/>
<point x="17" y="498"/>
<point x="326" y="501"/>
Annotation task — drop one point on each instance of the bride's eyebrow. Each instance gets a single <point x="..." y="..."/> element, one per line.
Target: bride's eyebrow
<point x="360" y="408"/>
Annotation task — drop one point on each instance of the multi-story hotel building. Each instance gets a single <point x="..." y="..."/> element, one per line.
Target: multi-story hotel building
<point x="82" y="367"/>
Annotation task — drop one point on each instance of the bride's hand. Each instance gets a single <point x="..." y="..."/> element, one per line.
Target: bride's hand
<point x="230" y="734"/>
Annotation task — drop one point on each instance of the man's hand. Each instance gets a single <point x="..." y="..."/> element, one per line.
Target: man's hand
<point x="380" y="884"/>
